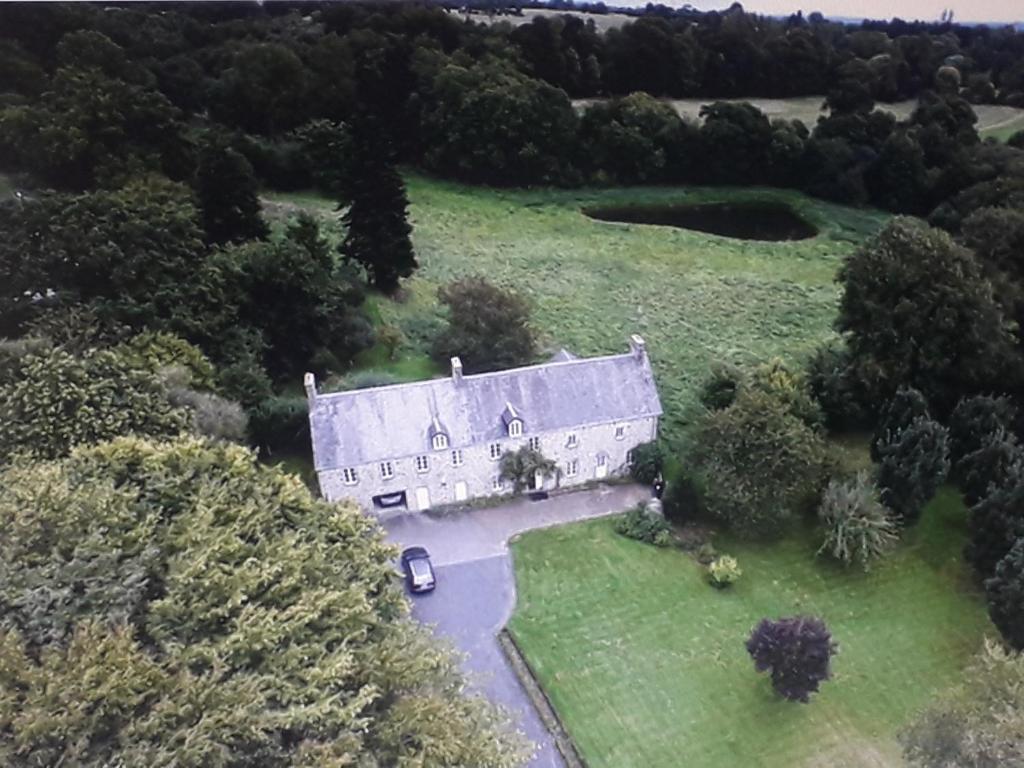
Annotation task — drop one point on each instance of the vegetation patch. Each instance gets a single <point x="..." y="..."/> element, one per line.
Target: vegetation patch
<point x="646" y="665"/>
<point x="744" y="221"/>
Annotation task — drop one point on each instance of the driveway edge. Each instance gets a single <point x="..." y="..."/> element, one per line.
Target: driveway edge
<point x="540" y="700"/>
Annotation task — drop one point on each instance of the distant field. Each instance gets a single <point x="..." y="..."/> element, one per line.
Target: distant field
<point x="603" y="21"/>
<point x="998" y="121"/>
<point x="645" y="663"/>
<point x="696" y="297"/>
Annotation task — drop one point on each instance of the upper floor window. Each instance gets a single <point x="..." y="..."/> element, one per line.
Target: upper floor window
<point x="535" y="443"/>
<point x="387" y="470"/>
<point x="572" y="468"/>
<point x="440" y="441"/>
<point x="573" y="440"/>
<point x="620" y="431"/>
<point x="457" y="457"/>
<point x="349" y="476"/>
<point x="422" y="463"/>
<point x="495" y="451"/>
<point x="602" y="459"/>
<point x="515" y="428"/>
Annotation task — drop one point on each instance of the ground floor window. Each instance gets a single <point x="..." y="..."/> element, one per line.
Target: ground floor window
<point x="572" y="468"/>
<point x="349" y="476"/>
<point x="387" y="470"/>
<point x="534" y="443"/>
<point x="497" y="484"/>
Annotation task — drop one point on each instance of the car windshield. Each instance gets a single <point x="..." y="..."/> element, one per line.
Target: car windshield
<point x="420" y="569"/>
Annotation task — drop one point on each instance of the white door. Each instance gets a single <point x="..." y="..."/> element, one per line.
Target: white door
<point x="602" y="467"/>
<point x="422" y="499"/>
<point x="538" y="480"/>
<point x="460" y="491"/>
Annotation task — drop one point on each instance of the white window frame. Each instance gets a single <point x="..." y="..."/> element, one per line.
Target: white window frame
<point x="572" y="467"/>
<point x="573" y="441"/>
<point x="349" y="476"/>
<point x="457" y="458"/>
<point x="515" y="428"/>
<point x="629" y="456"/>
<point x="387" y="470"/>
<point x="602" y="459"/>
<point x="534" y="443"/>
<point x="497" y="484"/>
<point x="440" y="441"/>
<point x="620" y="431"/>
<point x="422" y="464"/>
<point x="495" y="451"/>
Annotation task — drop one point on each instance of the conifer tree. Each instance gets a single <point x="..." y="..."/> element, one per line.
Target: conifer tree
<point x="228" y="195"/>
<point x="378" y="230"/>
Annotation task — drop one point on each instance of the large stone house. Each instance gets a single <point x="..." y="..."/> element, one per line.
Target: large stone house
<point x="438" y="442"/>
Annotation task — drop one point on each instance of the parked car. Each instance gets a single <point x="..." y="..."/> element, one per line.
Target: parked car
<point x="419" y="573"/>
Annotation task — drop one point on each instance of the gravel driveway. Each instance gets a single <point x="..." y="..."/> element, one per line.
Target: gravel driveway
<point x="476" y="590"/>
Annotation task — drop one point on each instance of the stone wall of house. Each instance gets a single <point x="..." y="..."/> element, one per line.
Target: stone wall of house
<point x="443" y="483"/>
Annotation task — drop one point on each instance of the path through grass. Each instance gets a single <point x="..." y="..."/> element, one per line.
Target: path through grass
<point x="696" y="297"/>
<point x="645" y="662"/>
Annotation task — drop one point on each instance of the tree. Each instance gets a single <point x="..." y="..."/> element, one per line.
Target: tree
<point x="996" y="521"/>
<point x="987" y="466"/>
<point x="974" y="421"/>
<point x="55" y="401"/>
<point x="979" y="723"/>
<point x="377" y="236"/>
<point x="760" y="463"/>
<point x="1005" y="593"/>
<point x="736" y="140"/>
<point x="796" y="651"/>
<point x="917" y="312"/>
<point x="488" y="327"/>
<point x="857" y="526"/>
<point x="184" y="577"/>
<point x="327" y="147"/>
<point x="897" y="414"/>
<point x="264" y="90"/>
<point x="228" y="195"/>
<point x="913" y="463"/>
<point x="522" y="467"/>
<point x="646" y="462"/>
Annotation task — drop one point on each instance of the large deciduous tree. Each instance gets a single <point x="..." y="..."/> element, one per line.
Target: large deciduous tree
<point x="796" y="651"/>
<point x="378" y="229"/>
<point x="917" y="312"/>
<point x="180" y="603"/>
<point x="488" y="327"/>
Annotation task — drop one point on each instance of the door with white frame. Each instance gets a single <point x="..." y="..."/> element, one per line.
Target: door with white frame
<point x="538" y="480"/>
<point x="422" y="499"/>
<point x="461" y="493"/>
<point x="602" y="466"/>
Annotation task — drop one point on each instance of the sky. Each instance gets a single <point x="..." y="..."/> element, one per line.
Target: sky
<point x="927" y="10"/>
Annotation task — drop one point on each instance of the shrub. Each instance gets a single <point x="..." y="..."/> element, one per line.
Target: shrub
<point x="972" y="426"/>
<point x="988" y="466"/>
<point x="280" y="423"/>
<point x="155" y="350"/>
<point x="1005" y="592"/>
<point x="706" y="553"/>
<point x="913" y="464"/>
<point x="682" y="500"/>
<point x="720" y="388"/>
<point x="790" y="388"/>
<point x="997" y="521"/>
<point x="759" y="461"/>
<point x="898" y="414"/>
<point x="796" y="651"/>
<point x="724" y="571"/>
<point x="857" y="526"/>
<point x="645" y="526"/>
<point x="648" y="459"/>
<point x="521" y="467"/>
<point x="833" y="383"/>
<point x="979" y="723"/>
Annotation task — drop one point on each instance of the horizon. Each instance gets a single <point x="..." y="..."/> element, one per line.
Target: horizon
<point x="981" y="11"/>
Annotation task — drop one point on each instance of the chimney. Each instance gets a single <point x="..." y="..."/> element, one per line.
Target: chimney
<point x="638" y="346"/>
<point x="309" y="382"/>
<point x="456" y="370"/>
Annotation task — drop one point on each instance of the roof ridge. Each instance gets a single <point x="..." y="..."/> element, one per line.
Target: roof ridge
<point x="505" y="372"/>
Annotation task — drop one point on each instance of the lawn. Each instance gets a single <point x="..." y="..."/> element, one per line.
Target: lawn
<point x="696" y="297"/>
<point x="645" y="662"/>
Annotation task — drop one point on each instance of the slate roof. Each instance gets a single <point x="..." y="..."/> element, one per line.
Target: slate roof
<point x="396" y="421"/>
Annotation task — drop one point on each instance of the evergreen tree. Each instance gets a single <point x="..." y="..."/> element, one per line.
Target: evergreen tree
<point x="1005" y="591"/>
<point x="227" y="191"/>
<point x="898" y="414"/>
<point x="996" y="522"/>
<point x="378" y="230"/>
<point x="913" y="464"/>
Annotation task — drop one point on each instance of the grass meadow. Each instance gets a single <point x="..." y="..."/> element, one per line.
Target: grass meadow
<point x="645" y="662"/>
<point x="696" y="297"/>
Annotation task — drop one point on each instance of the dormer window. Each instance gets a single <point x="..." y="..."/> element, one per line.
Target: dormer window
<point x="437" y="434"/>
<point x="440" y="441"/>
<point x="513" y="420"/>
<point x="515" y="428"/>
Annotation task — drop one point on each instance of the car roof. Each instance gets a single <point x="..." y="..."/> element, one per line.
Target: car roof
<point x="414" y="552"/>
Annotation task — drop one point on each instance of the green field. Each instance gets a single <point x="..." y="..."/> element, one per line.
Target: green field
<point x="646" y="666"/>
<point x="695" y="297"/>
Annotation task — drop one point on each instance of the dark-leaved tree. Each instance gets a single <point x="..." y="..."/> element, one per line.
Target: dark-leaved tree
<point x="488" y="327"/>
<point x="796" y="651"/>
<point x="913" y="463"/>
<point x="228" y="195"/>
<point x="898" y="414"/>
<point x="996" y="521"/>
<point x="377" y="236"/>
<point x="1005" y="592"/>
